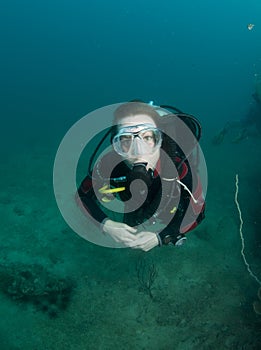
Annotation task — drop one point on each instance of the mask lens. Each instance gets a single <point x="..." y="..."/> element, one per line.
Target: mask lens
<point x="137" y="140"/>
<point x="125" y="142"/>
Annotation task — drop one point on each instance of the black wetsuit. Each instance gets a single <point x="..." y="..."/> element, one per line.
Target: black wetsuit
<point x="174" y="200"/>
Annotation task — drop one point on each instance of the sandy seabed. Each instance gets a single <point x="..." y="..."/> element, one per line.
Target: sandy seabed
<point x="58" y="291"/>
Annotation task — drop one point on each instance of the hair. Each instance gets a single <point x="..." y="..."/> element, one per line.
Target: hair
<point x="132" y="109"/>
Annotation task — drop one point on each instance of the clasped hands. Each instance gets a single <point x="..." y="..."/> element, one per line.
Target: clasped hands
<point x="125" y="234"/>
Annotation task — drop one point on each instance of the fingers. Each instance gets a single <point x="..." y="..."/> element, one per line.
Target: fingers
<point x="130" y="229"/>
<point x="145" y="247"/>
<point x="125" y="234"/>
<point x="124" y="237"/>
<point x="122" y="233"/>
<point x="120" y="226"/>
<point x="140" y="240"/>
<point x="144" y="241"/>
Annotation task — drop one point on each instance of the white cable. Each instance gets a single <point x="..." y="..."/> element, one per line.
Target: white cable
<point x="185" y="187"/>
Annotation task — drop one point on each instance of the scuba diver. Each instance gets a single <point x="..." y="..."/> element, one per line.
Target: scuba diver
<point x="148" y="172"/>
<point x="244" y="126"/>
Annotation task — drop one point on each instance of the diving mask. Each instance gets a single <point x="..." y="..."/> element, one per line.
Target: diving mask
<point x="137" y="140"/>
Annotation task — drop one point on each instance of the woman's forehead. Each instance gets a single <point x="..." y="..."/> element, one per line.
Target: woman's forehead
<point x="137" y="119"/>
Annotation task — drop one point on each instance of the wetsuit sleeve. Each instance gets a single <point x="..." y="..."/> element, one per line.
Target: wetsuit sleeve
<point x="89" y="202"/>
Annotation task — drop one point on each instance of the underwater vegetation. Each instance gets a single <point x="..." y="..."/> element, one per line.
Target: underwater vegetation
<point x="34" y="284"/>
<point x="146" y="274"/>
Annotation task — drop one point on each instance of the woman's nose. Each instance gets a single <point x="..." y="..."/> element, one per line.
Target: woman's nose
<point x="138" y="146"/>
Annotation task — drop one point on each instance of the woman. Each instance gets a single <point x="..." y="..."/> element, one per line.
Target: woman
<point x="145" y="171"/>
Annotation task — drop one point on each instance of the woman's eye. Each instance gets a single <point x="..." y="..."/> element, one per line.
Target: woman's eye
<point x="148" y="138"/>
<point x="125" y="138"/>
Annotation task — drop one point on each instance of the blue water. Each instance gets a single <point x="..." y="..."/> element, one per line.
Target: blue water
<point x="60" y="60"/>
<point x="64" y="58"/>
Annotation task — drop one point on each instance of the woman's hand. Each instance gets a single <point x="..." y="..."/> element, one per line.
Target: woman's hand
<point x="125" y="234"/>
<point x="145" y="240"/>
<point x="120" y="232"/>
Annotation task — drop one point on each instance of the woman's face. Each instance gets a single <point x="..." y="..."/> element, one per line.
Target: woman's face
<point x="137" y="141"/>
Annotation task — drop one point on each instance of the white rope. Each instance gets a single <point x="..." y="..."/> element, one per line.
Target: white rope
<point x="185" y="187"/>
<point x="242" y="237"/>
